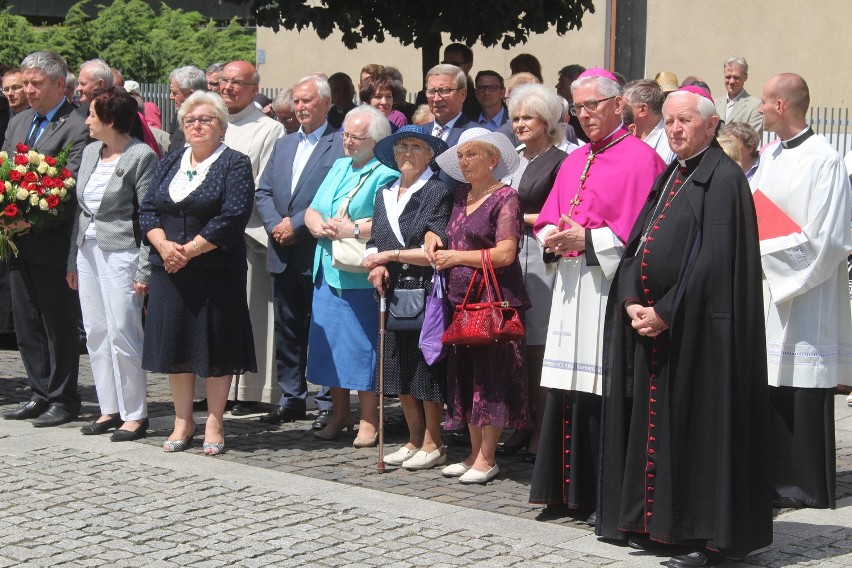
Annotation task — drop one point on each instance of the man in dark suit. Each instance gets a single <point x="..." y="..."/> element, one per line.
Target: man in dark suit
<point x="446" y="89"/>
<point x="297" y="167"/>
<point x="45" y="309"/>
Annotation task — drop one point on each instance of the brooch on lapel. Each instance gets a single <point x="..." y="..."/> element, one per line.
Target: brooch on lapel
<point x="119" y="172"/>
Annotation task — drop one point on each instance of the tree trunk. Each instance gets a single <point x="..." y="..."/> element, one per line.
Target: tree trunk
<point x="430" y="54"/>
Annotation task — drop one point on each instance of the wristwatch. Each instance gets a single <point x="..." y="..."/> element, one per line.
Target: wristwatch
<point x="356" y="231"/>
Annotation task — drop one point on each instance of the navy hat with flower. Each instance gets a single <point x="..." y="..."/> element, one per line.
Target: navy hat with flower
<point x="384" y="148"/>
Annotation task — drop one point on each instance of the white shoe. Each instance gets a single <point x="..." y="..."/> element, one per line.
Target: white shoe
<point x="399" y="456"/>
<point x="849" y="400"/>
<point x="476" y="476"/>
<point x="423" y="460"/>
<point x="455" y="470"/>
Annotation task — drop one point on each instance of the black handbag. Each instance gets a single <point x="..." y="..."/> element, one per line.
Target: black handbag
<point x="406" y="307"/>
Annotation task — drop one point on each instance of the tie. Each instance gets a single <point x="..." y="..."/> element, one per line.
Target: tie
<point x="39" y="120"/>
<point x="438" y="131"/>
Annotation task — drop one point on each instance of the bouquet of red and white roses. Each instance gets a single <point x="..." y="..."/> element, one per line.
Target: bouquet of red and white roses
<point x="33" y="190"/>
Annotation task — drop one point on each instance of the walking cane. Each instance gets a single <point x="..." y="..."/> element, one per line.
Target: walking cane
<point x="380" y="466"/>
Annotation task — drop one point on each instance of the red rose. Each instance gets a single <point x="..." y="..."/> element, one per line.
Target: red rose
<point x="47" y="181"/>
<point x="51" y="161"/>
<point x="52" y="201"/>
<point x="40" y="189"/>
<point x="30" y="177"/>
<point x="11" y="210"/>
<point x="15" y="175"/>
<point x="28" y="185"/>
<point x="2" y="188"/>
<point x="66" y="173"/>
<point x="21" y="160"/>
<point x="22" y="148"/>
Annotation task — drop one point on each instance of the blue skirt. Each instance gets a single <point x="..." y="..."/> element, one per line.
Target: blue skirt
<point x="343" y="337"/>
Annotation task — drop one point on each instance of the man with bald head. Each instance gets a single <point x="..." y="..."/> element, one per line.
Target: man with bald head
<point x="738" y="105"/>
<point x="685" y="452"/>
<point x="808" y="320"/>
<point x="254" y="134"/>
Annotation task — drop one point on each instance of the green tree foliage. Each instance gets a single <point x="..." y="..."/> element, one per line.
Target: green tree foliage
<point x="491" y="22"/>
<point x="130" y="36"/>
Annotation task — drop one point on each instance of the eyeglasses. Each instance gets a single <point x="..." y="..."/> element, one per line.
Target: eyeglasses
<point x="488" y="88"/>
<point x="348" y="136"/>
<point x="236" y="83"/>
<point x="191" y="121"/>
<point x="406" y="148"/>
<point x="590" y="106"/>
<point x="211" y="84"/>
<point x="443" y="91"/>
<point x="12" y="88"/>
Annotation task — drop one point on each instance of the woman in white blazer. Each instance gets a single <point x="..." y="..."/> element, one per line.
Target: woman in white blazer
<point x="109" y="267"/>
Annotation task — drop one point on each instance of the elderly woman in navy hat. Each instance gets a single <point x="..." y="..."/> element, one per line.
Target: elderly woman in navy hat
<point x="405" y="209"/>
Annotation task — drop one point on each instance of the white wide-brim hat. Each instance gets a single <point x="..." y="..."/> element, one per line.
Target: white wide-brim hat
<point x="448" y="161"/>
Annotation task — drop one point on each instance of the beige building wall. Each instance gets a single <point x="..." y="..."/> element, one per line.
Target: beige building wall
<point x="689" y="38"/>
<point x="292" y="55"/>
<point x="692" y="38"/>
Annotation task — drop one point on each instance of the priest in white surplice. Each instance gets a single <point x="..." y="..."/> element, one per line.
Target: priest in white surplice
<point x="254" y="134"/>
<point x="808" y="316"/>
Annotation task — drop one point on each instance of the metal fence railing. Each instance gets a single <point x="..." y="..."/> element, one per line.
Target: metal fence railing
<point x="832" y="122"/>
<point x="159" y="95"/>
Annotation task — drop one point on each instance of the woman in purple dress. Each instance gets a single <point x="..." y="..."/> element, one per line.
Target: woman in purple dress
<point x="486" y="386"/>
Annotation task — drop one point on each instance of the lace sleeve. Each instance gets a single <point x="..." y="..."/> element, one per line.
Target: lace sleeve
<point x="509" y="218"/>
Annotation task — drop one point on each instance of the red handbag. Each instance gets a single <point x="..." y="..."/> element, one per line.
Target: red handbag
<point x="483" y="323"/>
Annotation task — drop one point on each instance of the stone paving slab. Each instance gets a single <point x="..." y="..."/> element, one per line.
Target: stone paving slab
<point x="280" y="496"/>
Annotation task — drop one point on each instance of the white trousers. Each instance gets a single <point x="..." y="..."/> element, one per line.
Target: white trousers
<point x="112" y="316"/>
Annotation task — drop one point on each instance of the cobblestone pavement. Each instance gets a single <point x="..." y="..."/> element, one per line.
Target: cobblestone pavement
<point x="281" y="497"/>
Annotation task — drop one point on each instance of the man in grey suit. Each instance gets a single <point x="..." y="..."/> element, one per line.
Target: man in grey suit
<point x="45" y="309"/>
<point x="446" y="89"/>
<point x="297" y="167"/>
<point x="738" y="105"/>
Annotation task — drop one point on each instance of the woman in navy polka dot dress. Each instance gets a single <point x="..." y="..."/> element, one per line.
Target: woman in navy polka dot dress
<point x="198" y="320"/>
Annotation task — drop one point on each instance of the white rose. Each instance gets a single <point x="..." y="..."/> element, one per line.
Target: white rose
<point x="42" y="168"/>
<point x="42" y="204"/>
<point x="69" y="183"/>
<point x="33" y="200"/>
<point x="22" y="194"/>
<point x="54" y="191"/>
<point x="34" y="157"/>
<point x="8" y="185"/>
<point x="62" y="192"/>
<point x="52" y="171"/>
<point x="5" y="155"/>
<point x="22" y="169"/>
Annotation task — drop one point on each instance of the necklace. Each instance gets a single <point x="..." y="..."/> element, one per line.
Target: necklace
<point x="190" y="174"/>
<point x="490" y="189"/>
<point x="519" y="172"/>
<point x="592" y="154"/>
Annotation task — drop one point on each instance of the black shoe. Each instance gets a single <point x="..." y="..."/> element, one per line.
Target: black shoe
<point x="199" y="405"/>
<point x="54" y="416"/>
<point x="283" y="414"/>
<point x="244" y="408"/>
<point x="130" y="435"/>
<point x="520" y="442"/>
<point x="593" y="519"/>
<point x="26" y="411"/>
<point x="323" y="419"/>
<point x="698" y="558"/>
<point x="528" y="457"/>
<point x="96" y="427"/>
<point x="787" y="503"/>
<point x="644" y="542"/>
